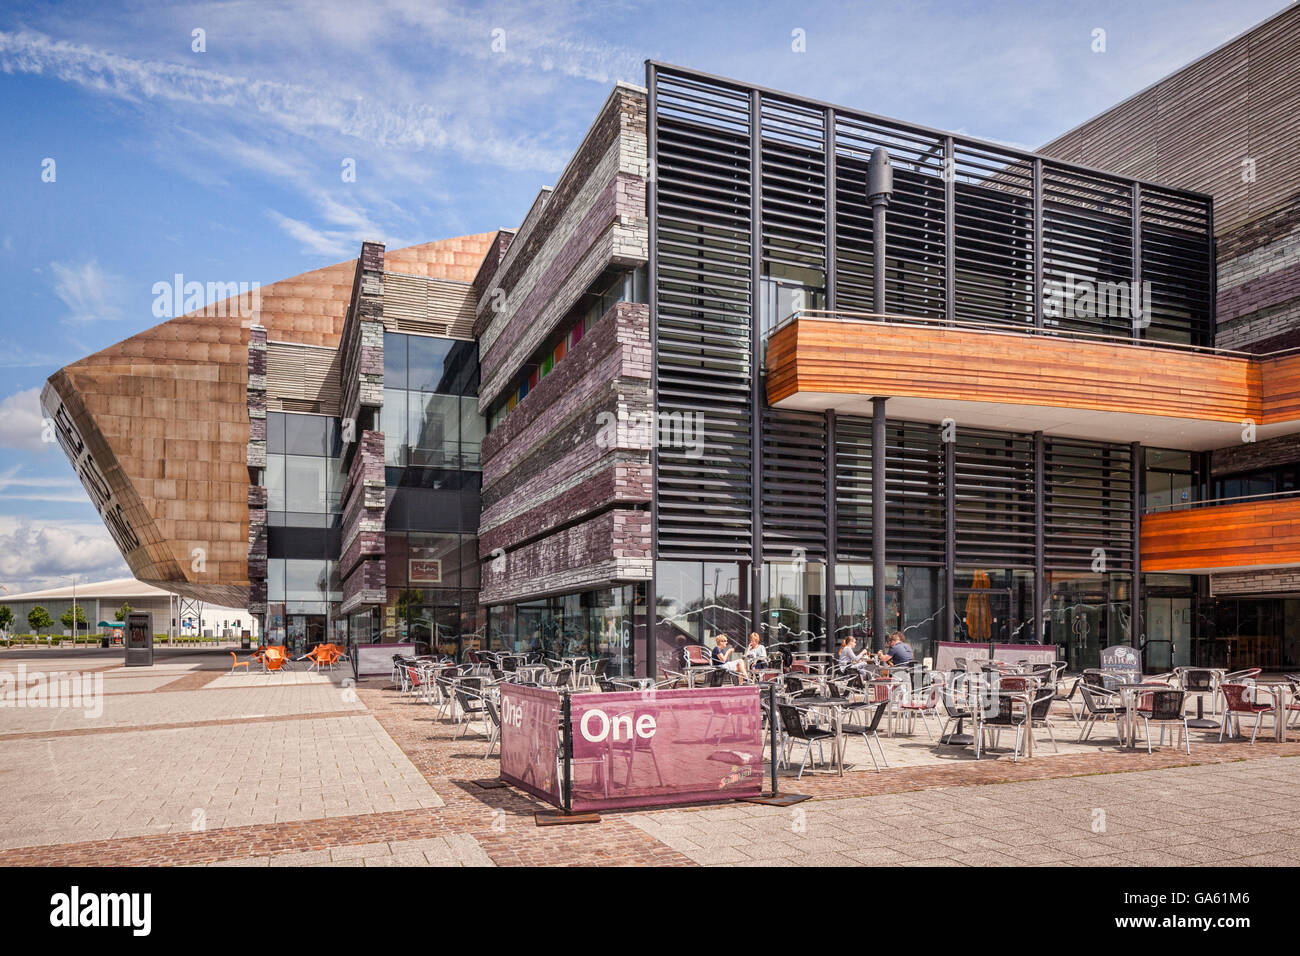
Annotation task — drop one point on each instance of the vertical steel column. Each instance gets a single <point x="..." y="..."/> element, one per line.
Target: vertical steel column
<point x="878" y="584"/>
<point x="949" y="230"/>
<point x="1040" y="508"/>
<point x="1038" y="242"/>
<point x="1135" y="289"/>
<point x="828" y="158"/>
<point x="757" y="399"/>
<point x="950" y="537"/>
<point x="566" y="715"/>
<point x="1135" y="590"/>
<point x="832" y="531"/>
<point x="652" y="296"/>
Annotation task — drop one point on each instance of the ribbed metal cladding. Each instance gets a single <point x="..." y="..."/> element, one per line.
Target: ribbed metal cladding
<point x="1088" y="505"/>
<point x="914" y="491"/>
<point x="1087" y="235"/>
<point x="1176" y="262"/>
<point x="704" y="299"/>
<point x="794" y="484"/>
<point x="915" y="271"/>
<point x="793" y="186"/>
<point x="994" y="225"/>
<point x="994" y="481"/>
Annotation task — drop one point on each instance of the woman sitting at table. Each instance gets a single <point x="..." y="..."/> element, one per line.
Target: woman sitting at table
<point x="721" y="657"/>
<point x="851" y="658"/>
<point x="756" y="653"/>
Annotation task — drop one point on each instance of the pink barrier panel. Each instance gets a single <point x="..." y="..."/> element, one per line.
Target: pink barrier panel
<point x="1034" y="653"/>
<point x="639" y="749"/>
<point x="946" y="652"/>
<point x="530" y="741"/>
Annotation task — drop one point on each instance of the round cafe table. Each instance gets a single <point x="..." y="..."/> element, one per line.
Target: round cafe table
<point x="1129" y="696"/>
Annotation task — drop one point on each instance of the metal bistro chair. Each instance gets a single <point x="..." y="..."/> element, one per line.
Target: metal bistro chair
<point x="796" y="730"/>
<point x="869" y="732"/>
<point x="1235" y="705"/>
<point x="1167" y="708"/>
<point x="1099" y="705"/>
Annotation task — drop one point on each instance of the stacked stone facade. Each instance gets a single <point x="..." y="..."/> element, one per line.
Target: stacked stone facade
<point x="256" y="463"/>
<point x="362" y="566"/>
<point x="566" y="475"/>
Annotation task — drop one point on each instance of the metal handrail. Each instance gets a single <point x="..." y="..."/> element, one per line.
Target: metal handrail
<point x="994" y="327"/>
<point x="1221" y="501"/>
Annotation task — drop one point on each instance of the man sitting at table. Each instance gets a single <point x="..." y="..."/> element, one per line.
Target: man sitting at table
<point x="721" y="657"/>
<point x="850" y="658"/>
<point x="900" y="652"/>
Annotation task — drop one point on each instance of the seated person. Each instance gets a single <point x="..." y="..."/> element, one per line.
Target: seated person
<point x="721" y="657"/>
<point x="900" y="652"/>
<point x="850" y="657"/>
<point x="756" y="653"/>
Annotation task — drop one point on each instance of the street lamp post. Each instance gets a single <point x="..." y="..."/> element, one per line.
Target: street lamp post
<point x="73" y="578"/>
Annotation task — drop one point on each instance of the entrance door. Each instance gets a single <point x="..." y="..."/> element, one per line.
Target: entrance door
<point x="1169" y="634"/>
<point x="1079" y="624"/>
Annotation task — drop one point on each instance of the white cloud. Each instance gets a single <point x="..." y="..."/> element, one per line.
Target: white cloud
<point x="37" y="554"/>
<point x="22" y="424"/>
<point x="88" y="291"/>
<point x="294" y="107"/>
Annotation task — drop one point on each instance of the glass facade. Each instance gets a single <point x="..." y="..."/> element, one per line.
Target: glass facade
<point x="696" y="601"/>
<point x="304" y="488"/>
<point x="607" y="623"/>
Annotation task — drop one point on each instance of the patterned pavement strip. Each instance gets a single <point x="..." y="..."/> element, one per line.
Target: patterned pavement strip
<point x="500" y="820"/>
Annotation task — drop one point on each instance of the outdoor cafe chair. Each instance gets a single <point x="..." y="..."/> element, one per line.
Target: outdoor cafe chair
<point x="953" y="711"/>
<point x="1200" y="681"/>
<point x="274" y="660"/>
<point x="1167" y="707"/>
<point x="1013" y="710"/>
<point x="235" y="662"/>
<point x="1099" y="705"/>
<point x="1238" y="701"/>
<point x="869" y="732"/>
<point x="925" y="707"/>
<point x="1068" y="701"/>
<point x="798" y="731"/>
<point x="473" y="707"/>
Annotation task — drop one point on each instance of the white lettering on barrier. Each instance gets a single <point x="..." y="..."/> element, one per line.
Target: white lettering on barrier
<point x="512" y="714"/>
<point x="622" y="726"/>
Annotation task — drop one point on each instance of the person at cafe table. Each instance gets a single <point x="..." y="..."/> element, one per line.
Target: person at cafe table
<point x="756" y="653"/>
<point x="721" y="657"/>
<point x="900" y="652"/>
<point x="849" y="657"/>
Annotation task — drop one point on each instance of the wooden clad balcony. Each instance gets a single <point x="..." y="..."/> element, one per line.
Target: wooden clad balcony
<point x="1231" y="536"/>
<point x="1096" y="387"/>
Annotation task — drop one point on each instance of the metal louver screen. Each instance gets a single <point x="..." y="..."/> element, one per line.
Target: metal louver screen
<point x="1087" y="506"/>
<point x="794" y="485"/>
<point x="703" y="289"/>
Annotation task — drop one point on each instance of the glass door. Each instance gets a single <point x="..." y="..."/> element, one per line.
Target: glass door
<point x="1079" y="624"/>
<point x="984" y="615"/>
<point x="1169" y="634"/>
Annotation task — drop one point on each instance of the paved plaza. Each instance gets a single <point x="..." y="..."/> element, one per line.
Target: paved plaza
<point x="189" y="765"/>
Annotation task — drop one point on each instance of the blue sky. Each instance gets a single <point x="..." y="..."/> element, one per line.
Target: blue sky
<point x="224" y="165"/>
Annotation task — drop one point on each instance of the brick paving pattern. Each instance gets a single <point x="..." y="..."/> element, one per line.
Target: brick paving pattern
<point x="305" y="770"/>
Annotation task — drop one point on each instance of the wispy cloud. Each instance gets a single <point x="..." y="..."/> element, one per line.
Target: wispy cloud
<point x="21" y="425"/>
<point x="90" y="293"/>
<point x="302" y="109"/>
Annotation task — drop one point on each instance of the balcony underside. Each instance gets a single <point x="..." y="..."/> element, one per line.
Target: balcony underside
<point x="1243" y="536"/>
<point x="1171" y="398"/>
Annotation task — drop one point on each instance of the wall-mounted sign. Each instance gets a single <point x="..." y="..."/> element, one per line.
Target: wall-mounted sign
<point x="425" y="571"/>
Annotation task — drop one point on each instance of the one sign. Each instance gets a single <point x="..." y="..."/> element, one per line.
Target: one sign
<point x="530" y="736"/>
<point x="638" y="749"/>
<point x="425" y="571"/>
<point x="1033" y="653"/>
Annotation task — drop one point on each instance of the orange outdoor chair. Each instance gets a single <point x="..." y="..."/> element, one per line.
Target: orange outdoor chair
<point x="235" y="662"/>
<point x="274" y="659"/>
